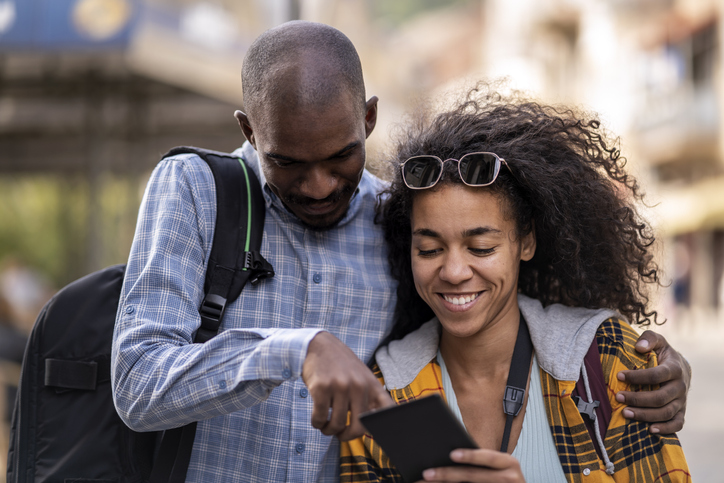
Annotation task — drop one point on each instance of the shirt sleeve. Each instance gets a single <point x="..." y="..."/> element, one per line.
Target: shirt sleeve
<point x="160" y="378"/>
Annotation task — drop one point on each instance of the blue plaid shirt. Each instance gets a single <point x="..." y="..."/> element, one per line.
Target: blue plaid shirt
<point x="244" y="385"/>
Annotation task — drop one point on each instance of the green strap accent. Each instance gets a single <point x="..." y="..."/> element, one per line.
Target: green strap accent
<point x="248" y="205"/>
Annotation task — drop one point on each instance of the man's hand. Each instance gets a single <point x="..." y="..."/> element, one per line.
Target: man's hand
<point x="666" y="406"/>
<point x="337" y="379"/>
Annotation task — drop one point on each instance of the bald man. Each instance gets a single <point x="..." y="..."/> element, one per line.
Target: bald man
<point x="286" y="368"/>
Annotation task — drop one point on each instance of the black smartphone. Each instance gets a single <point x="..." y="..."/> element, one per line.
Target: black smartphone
<point x="417" y="435"/>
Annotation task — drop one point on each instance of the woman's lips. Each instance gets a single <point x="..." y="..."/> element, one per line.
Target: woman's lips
<point x="459" y="302"/>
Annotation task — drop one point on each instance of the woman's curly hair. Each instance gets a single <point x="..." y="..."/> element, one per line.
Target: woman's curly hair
<point x="568" y="184"/>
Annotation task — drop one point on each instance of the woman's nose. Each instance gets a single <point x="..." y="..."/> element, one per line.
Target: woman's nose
<point x="455" y="268"/>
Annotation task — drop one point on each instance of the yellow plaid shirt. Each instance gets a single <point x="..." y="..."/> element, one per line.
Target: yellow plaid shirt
<point x="638" y="455"/>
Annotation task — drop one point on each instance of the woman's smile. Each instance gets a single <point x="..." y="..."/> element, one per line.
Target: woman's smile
<point x="459" y="302"/>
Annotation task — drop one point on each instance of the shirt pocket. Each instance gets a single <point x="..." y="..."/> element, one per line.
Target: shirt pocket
<point x="364" y="305"/>
<point x="362" y="316"/>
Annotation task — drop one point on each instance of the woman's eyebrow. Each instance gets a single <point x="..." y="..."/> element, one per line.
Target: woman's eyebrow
<point x="481" y="230"/>
<point x="426" y="232"/>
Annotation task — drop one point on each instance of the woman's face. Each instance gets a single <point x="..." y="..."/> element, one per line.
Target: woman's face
<point x="466" y="257"/>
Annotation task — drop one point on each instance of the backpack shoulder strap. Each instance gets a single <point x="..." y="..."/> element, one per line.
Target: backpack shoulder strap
<point x="235" y="257"/>
<point x="234" y="260"/>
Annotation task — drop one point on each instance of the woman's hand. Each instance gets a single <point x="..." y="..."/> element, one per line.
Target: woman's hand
<point x="483" y="465"/>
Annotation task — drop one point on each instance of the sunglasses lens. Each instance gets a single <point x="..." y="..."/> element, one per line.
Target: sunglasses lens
<point x="421" y="171"/>
<point x="479" y="169"/>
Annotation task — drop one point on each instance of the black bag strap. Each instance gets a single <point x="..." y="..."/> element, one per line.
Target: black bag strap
<point x="234" y="260"/>
<point x="517" y="379"/>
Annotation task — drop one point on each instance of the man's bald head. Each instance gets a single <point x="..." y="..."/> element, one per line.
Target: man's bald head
<point x="301" y="64"/>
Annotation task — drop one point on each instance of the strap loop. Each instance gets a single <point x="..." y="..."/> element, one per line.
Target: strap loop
<point x="260" y="268"/>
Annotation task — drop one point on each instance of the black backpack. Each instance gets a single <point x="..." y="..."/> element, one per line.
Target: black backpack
<point x="65" y="427"/>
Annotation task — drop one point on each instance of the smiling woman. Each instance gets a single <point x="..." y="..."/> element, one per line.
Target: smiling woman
<point x="465" y="255"/>
<point x="506" y="215"/>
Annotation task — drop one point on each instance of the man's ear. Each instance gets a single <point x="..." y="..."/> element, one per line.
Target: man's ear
<point x="528" y="245"/>
<point x="245" y="126"/>
<point x="370" y="115"/>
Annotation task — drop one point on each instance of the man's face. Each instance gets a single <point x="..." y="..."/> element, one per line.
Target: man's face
<point x="313" y="159"/>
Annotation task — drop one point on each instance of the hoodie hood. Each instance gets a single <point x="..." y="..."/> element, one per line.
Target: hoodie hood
<point x="561" y="337"/>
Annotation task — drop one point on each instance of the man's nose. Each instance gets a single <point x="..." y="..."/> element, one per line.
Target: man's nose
<point x="318" y="183"/>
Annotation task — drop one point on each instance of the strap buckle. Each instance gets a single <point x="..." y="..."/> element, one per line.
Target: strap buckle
<point x="211" y="311"/>
<point x="513" y="400"/>
<point x="587" y="408"/>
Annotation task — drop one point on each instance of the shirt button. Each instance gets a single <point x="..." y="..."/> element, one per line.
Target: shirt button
<point x="317" y="278"/>
<point x="222" y="384"/>
<point x="304" y="392"/>
<point x="286" y="373"/>
<point x="299" y="447"/>
<point x="586" y="472"/>
<point x="130" y="309"/>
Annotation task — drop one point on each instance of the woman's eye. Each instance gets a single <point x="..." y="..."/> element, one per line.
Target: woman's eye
<point x="482" y="251"/>
<point x="427" y="253"/>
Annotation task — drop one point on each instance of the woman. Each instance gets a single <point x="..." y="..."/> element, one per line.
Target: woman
<point x="505" y="214"/>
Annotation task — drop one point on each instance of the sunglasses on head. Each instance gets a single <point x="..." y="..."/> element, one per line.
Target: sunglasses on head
<point x="475" y="169"/>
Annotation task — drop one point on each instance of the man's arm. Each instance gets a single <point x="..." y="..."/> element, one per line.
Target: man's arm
<point x="664" y="407"/>
<point x="160" y="378"/>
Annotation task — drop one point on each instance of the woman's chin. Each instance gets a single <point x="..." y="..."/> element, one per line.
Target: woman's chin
<point x="459" y="329"/>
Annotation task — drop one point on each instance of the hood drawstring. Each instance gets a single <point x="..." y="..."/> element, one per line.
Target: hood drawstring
<point x="604" y="453"/>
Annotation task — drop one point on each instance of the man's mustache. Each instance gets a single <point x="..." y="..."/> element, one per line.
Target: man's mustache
<point x="334" y="197"/>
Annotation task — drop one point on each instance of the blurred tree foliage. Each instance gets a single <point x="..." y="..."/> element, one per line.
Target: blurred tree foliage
<point x="56" y="224"/>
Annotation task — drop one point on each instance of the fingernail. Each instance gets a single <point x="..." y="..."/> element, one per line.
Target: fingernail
<point x="456" y="455"/>
<point x="621" y="376"/>
<point x="654" y="430"/>
<point x="429" y="474"/>
<point x="628" y="414"/>
<point x="643" y="344"/>
<point x="620" y="398"/>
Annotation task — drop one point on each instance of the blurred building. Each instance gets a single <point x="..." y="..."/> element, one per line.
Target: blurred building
<point x="94" y="88"/>
<point x="679" y="133"/>
<point x="652" y="69"/>
<point x="93" y="92"/>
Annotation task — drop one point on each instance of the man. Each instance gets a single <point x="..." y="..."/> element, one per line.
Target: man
<point x="290" y="350"/>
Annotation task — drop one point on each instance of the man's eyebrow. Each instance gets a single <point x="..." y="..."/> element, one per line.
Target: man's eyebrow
<point x="289" y="159"/>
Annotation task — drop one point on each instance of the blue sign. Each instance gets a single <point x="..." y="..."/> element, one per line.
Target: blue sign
<point x="66" y="24"/>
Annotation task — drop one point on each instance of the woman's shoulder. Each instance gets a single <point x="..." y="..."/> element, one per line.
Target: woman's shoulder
<point x="616" y="335"/>
<point x="616" y="340"/>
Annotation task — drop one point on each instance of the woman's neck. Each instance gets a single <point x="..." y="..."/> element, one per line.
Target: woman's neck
<point x="485" y="355"/>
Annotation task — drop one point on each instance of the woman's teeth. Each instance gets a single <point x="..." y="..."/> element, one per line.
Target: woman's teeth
<point x="460" y="299"/>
